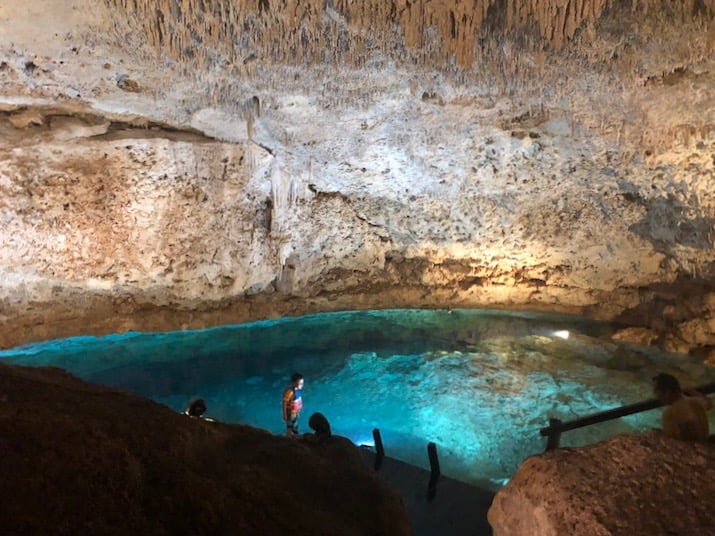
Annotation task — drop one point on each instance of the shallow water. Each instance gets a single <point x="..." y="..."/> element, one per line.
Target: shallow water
<point x="480" y="384"/>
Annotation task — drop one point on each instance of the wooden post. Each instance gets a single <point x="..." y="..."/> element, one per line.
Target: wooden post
<point x="552" y="443"/>
<point x="379" y="448"/>
<point x="434" y="470"/>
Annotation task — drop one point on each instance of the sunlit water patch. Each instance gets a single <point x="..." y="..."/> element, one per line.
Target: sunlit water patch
<point x="479" y="384"/>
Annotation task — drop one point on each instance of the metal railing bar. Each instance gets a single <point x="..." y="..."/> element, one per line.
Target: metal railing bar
<point x="556" y="427"/>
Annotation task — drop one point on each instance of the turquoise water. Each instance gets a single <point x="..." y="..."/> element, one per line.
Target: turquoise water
<point x="480" y="384"/>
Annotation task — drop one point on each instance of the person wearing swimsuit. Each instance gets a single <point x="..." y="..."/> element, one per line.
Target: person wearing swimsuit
<point x="293" y="404"/>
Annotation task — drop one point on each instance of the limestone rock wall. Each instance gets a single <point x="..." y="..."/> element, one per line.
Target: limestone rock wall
<point x="280" y="30"/>
<point x="646" y="484"/>
<point x="564" y="166"/>
<point x="117" y="209"/>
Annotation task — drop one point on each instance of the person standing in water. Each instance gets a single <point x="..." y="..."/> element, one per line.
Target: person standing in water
<point x="293" y="404"/>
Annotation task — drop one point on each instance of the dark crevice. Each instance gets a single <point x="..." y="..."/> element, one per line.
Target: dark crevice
<point x="132" y="128"/>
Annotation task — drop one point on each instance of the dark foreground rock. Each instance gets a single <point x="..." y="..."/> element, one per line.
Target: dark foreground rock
<point x="83" y="459"/>
<point x="630" y="484"/>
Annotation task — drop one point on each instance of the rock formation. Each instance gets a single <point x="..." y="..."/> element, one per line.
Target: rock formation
<point x="630" y="484"/>
<point x="83" y="459"/>
<point x="179" y="164"/>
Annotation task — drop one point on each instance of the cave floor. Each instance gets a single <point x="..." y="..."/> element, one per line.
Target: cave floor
<point x="456" y="509"/>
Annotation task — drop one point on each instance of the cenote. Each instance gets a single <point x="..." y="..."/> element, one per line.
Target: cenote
<point x="480" y="384"/>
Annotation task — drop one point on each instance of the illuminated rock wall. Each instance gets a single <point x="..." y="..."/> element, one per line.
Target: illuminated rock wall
<point x="283" y="30"/>
<point x="251" y="159"/>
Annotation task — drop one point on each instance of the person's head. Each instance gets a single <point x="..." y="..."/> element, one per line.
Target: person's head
<point x="196" y="407"/>
<point x="297" y="381"/>
<point x="666" y="387"/>
<point x="320" y="425"/>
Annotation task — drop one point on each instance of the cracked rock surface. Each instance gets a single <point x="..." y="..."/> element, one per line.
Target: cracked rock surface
<point x="146" y="183"/>
<point x="630" y="484"/>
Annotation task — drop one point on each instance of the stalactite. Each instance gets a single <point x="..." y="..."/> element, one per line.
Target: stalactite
<point x="305" y="30"/>
<point x="284" y="193"/>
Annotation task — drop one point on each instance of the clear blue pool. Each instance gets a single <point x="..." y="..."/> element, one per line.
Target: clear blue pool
<point x="480" y="384"/>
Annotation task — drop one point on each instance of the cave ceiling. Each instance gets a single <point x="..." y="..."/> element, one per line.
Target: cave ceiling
<point x="178" y="163"/>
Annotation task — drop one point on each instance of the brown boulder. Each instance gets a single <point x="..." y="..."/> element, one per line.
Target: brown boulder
<point x="630" y="484"/>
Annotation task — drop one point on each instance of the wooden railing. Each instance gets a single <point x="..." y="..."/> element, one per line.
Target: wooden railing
<point x="435" y="472"/>
<point x="552" y="432"/>
<point x="557" y="427"/>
